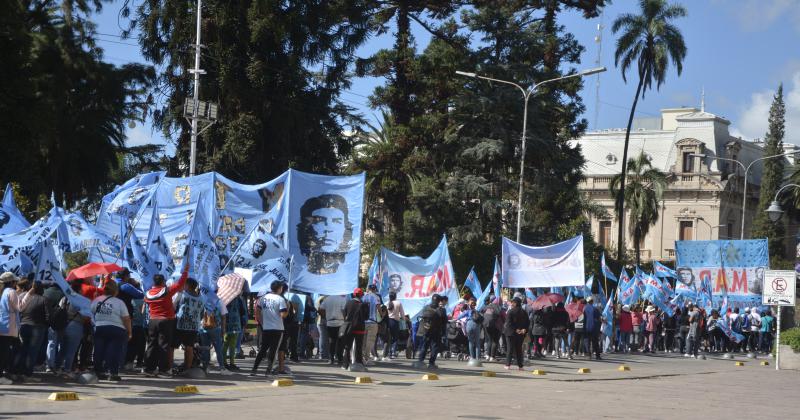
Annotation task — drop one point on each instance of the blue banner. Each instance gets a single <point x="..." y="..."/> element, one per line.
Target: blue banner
<point x="607" y="273"/>
<point x="266" y="256"/>
<point x="49" y="269"/>
<point x="11" y="219"/>
<point x="415" y="279"/>
<point x="76" y="234"/>
<point x="472" y="283"/>
<point x="202" y="259"/>
<point x="560" y="264"/>
<point x="663" y="271"/>
<point x="734" y="268"/>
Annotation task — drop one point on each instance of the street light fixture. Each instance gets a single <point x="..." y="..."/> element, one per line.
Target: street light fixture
<point x="746" y="171"/>
<point x="526" y="94"/>
<point x="774" y="211"/>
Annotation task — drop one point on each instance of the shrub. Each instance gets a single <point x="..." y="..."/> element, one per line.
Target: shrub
<point x="791" y="337"/>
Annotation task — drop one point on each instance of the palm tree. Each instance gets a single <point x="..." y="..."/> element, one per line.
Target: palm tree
<point x="650" y="41"/>
<point x="643" y="193"/>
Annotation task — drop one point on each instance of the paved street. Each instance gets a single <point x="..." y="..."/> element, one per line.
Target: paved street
<point x="655" y="387"/>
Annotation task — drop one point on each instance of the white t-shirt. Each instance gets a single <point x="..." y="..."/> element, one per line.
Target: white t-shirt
<point x="271" y="307"/>
<point x="334" y="310"/>
<point x="110" y="312"/>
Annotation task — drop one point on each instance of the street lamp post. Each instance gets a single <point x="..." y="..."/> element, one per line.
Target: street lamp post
<point x="775" y="211"/>
<point x="526" y="95"/>
<point x="746" y="171"/>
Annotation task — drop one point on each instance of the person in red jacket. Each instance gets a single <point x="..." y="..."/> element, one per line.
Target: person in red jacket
<point x="625" y="328"/>
<point x="161" y="326"/>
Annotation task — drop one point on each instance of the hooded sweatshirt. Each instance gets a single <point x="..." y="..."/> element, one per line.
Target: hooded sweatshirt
<point x="159" y="299"/>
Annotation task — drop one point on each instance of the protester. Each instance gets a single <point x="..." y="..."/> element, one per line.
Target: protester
<point x="354" y="330"/>
<point x="754" y="320"/>
<point x="373" y="301"/>
<point x="559" y="330"/>
<point x="396" y="315"/>
<point x="212" y="330"/>
<point x="538" y="332"/>
<point x="592" y="318"/>
<point x="515" y="328"/>
<point x="9" y="326"/>
<point x="625" y="328"/>
<point x="290" y="332"/>
<point x="161" y="326"/>
<point x="270" y="311"/>
<point x="493" y="322"/>
<point x="112" y="332"/>
<point x="692" y="335"/>
<point x="57" y="322"/>
<point x="323" y="344"/>
<point x="33" y="327"/>
<point x="670" y="325"/>
<point x="189" y="307"/>
<point x="651" y="323"/>
<point x="430" y="331"/>
<point x="765" y="336"/>
<point x="235" y="322"/>
<point x="637" y="319"/>
<point x="474" y="323"/>
<point x="332" y="309"/>
<point x="134" y="357"/>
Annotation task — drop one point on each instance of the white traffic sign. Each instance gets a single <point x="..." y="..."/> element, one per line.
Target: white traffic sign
<point x="778" y="288"/>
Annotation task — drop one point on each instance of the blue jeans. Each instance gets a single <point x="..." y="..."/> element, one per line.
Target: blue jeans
<point x="68" y="346"/>
<point x="394" y="333"/>
<point x="54" y="339"/>
<point x="429" y="342"/>
<point x="31" y="338"/>
<point x="322" y="345"/>
<point x="208" y="338"/>
<point x="624" y="339"/>
<point x="109" y="343"/>
<point x="474" y="338"/>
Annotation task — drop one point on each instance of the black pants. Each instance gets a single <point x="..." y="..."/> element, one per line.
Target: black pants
<point x="494" y="341"/>
<point x="514" y="348"/>
<point x="333" y="344"/>
<point x="136" y="346"/>
<point x="291" y="335"/>
<point x="8" y="351"/>
<point x="270" y="342"/>
<point x="594" y="342"/>
<point x="87" y="349"/>
<point x="159" y="335"/>
<point x="346" y="346"/>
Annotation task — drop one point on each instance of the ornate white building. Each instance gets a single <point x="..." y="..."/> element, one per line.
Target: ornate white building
<point x="703" y="199"/>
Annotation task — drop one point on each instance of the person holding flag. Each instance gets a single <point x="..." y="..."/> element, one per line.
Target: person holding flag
<point x="161" y="326"/>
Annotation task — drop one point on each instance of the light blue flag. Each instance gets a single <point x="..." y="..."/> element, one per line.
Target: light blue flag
<point x="608" y="316"/>
<point x="607" y="273"/>
<point x="48" y="269"/>
<point x="140" y="262"/>
<point x="324" y="231"/>
<point x="11" y="219"/>
<point x="732" y="335"/>
<point x="483" y="296"/>
<point x="266" y="256"/>
<point x="415" y="279"/>
<point x="497" y="279"/>
<point x="630" y="295"/>
<point x="472" y="283"/>
<point x="374" y="272"/>
<point x="529" y="294"/>
<point x="624" y="280"/>
<point x="663" y="271"/>
<point x="128" y="201"/>
<point x="25" y="241"/>
<point x="201" y="257"/>
<point x="157" y="247"/>
<point x="76" y="234"/>
<point x="601" y="294"/>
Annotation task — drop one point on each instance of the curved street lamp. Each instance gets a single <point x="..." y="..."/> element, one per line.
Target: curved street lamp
<point x="774" y="211"/>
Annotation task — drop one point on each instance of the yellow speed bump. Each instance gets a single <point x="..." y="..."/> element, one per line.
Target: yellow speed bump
<point x="282" y="382"/>
<point x="186" y="389"/>
<point x="624" y="368"/>
<point x="63" y="396"/>
<point x="538" y="372"/>
<point x="764" y="363"/>
<point x="430" y="377"/>
<point x="488" y="374"/>
<point x="584" y="370"/>
<point x="363" y="380"/>
<point x="739" y="363"/>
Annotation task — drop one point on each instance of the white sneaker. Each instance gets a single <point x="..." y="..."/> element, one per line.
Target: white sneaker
<point x="225" y="372"/>
<point x="686" y="355"/>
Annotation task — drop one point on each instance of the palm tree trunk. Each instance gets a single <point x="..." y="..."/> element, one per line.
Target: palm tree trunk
<point x="621" y="191"/>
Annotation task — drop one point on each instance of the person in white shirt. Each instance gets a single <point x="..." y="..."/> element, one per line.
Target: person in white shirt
<point x="112" y="330"/>
<point x="269" y="313"/>
<point x="333" y="311"/>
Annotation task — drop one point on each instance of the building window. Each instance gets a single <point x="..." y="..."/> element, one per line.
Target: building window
<point x="729" y="231"/>
<point x="686" y="228"/>
<point x="605" y="233"/>
<point x="688" y="162"/>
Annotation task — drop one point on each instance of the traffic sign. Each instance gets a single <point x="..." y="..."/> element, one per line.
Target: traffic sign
<point x="779" y="288"/>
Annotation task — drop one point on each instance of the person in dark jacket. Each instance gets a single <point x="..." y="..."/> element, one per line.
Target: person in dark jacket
<point x="430" y="331"/>
<point x="355" y="313"/>
<point x="515" y="328"/>
<point x="592" y="324"/>
<point x="560" y="319"/>
<point x="538" y="332"/>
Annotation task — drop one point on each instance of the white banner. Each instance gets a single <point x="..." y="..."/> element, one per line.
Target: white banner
<point x="555" y="265"/>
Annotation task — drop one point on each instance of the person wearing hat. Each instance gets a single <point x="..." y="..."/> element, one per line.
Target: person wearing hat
<point x="9" y="324"/>
<point x="625" y="328"/>
<point x="651" y="324"/>
<point x="515" y="329"/>
<point x="354" y="329"/>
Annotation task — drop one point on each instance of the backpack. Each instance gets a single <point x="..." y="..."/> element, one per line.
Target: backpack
<point x="579" y="323"/>
<point x="737" y="324"/>
<point x="477" y="317"/>
<point x="745" y="324"/>
<point x="58" y="318"/>
<point x="489" y="317"/>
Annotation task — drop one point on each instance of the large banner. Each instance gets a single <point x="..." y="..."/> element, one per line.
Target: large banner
<point x="733" y="267"/>
<point x="415" y="279"/>
<point x="555" y="265"/>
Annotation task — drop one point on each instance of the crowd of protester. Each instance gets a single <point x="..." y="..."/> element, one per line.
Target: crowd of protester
<point x="138" y="331"/>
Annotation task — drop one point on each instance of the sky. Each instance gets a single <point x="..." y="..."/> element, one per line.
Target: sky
<point x="737" y="54"/>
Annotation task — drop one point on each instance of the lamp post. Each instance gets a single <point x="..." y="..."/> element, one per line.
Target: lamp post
<point x="746" y="171"/>
<point x="774" y="211"/>
<point x="526" y="95"/>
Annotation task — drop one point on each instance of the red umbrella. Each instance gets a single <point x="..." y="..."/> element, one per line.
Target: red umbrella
<point x="574" y="310"/>
<point x="93" y="269"/>
<point x="547" y="299"/>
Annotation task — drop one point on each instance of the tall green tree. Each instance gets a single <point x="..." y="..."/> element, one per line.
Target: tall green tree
<point x="648" y="42"/>
<point x="643" y="193"/>
<point x="275" y="68"/>
<point x="772" y="178"/>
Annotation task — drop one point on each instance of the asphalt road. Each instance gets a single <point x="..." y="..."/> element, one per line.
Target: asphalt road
<point x="656" y="386"/>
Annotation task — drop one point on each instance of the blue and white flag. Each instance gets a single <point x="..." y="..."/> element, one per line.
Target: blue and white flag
<point x="77" y="235"/>
<point x="374" y="272"/>
<point x="487" y="291"/>
<point x="608" y="316"/>
<point x="624" y="279"/>
<point x="138" y="260"/>
<point x="157" y="247"/>
<point x="662" y="270"/>
<point x="266" y="256"/>
<point x="130" y="199"/>
<point x="607" y="273"/>
<point x="732" y="335"/>
<point x="630" y="295"/>
<point x="416" y="279"/>
<point x="560" y="264"/>
<point x="324" y="231"/>
<point x="201" y="257"/>
<point x="11" y="219"/>
<point x="49" y="269"/>
<point x="472" y="283"/>
<point x="497" y="279"/>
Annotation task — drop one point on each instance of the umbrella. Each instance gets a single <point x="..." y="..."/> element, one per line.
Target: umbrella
<point x="229" y="286"/>
<point x="93" y="269"/>
<point x="574" y="310"/>
<point x="547" y="299"/>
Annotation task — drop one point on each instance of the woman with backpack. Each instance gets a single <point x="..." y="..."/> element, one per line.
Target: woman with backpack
<point x="559" y="330"/>
<point x="492" y="324"/>
<point x="538" y="332"/>
<point x="111" y="332"/>
<point x="474" y="322"/>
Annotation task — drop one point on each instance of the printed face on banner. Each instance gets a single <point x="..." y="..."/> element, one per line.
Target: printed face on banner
<point x="324" y="233"/>
<point x="4" y="218"/>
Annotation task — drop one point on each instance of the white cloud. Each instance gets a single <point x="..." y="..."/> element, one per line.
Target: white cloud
<point x="758" y="15"/>
<point x="752" y="121"/>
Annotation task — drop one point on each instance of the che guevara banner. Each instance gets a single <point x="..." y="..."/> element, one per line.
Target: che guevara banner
<point x="734" y="268"/>
<point x="554" y="265"/>
<point x="416" y="279"/>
